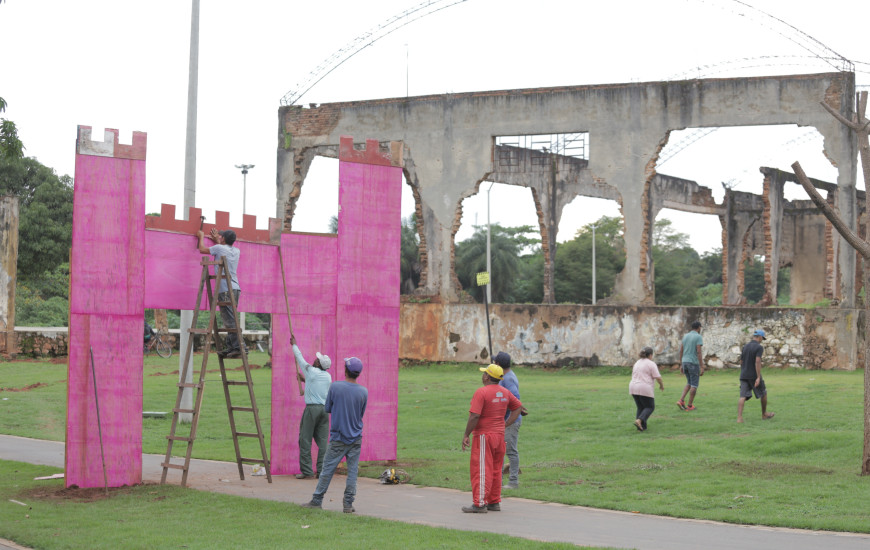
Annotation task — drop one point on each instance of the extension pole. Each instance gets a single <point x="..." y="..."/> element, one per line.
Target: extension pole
<point x="488" y="334"/>
<point x="99" y="424"/>
<point x="287" y="308"/>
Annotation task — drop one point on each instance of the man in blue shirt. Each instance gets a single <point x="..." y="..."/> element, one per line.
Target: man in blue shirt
<point x="315" y="420"/>
<point x="225" y="248"/>
<point x="512" y="432"/>
<point x="691" y="365"/>
<point x="346" y="404"/>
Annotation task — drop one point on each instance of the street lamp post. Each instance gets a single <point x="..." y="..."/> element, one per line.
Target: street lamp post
<point x="244" y="168"/>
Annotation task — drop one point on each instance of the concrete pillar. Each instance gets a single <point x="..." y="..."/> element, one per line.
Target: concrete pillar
<point x="8" y="272"/>
<point x="773" y="209"/>
<point x="809" y="255"/>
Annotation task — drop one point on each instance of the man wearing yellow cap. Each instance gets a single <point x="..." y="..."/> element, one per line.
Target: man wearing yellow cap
<point x="486" y="423"/>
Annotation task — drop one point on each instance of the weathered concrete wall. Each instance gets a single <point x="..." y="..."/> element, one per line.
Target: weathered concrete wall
<point x="450" y="139"/>
<point x="614" y="335"/>
<point x="8" y="270"/>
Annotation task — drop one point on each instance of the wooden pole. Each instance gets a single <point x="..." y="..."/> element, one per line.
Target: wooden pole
<point x="99" y="423"/>
<point x="287" y="309"/>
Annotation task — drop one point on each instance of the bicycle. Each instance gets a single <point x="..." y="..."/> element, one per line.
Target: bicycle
<point x="159" y="342"/>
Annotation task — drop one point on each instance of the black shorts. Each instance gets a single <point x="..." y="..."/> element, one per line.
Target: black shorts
<point x="747" y="388"/>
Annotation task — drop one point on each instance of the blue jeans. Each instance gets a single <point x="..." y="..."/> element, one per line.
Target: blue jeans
<point x="334" y="453"/>
<point x="693" y="374"/>
<point x="511" y="437"/>
<point x="228" y="316"/>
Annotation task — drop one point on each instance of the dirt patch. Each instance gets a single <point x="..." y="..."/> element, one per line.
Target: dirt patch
<point x="26" y="388"/>
<point x="76" y="494"/>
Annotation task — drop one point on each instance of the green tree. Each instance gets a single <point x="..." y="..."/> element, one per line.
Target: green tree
<point x="410" y="255"/>
<point x="679" y="270"/>
<point x="10" y="145"/>
<point x="505" y="246"/>
<point x="44" y="237"/>
<point x="573" y="269"/>
<point x="45" y="214"/>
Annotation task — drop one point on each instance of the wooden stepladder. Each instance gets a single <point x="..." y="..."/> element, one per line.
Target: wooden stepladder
<point x="212" y="338"/>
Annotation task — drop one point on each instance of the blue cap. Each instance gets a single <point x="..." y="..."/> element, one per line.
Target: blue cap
<point x="502" y="359"/>
<point x="759" y="332"/>
<point x="353" y="364"/>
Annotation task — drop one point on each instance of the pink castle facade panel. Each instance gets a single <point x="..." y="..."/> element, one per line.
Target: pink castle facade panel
<point x="108" y="248"/>
<point x="107" y="292"/>
<point x="313" y="333"/>
<point x="367" y="321"/>
<point x="368" y="229"/>
<point x="371" y="333"/>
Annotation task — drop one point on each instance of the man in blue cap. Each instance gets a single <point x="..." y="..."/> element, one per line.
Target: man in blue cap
<point x="512" y="432"/>
<point x="750" y="376"/>
<point x="346" y="404"/>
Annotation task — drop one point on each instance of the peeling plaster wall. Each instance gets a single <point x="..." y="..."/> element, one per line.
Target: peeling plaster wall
<point x="614" y="335"/>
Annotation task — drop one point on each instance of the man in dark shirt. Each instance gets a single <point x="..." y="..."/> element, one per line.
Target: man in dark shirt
<point x="346" y="404"/>
<point x="750" y="375"/>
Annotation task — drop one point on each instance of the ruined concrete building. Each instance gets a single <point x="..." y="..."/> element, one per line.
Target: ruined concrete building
<point x="451" y="147"/>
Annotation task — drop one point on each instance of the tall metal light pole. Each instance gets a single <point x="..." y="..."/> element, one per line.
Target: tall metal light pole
<point x="593" y="266"/>
<point x="189" y="197"/>
<point x="488" y="256"/>
<point x="244" y="168"/>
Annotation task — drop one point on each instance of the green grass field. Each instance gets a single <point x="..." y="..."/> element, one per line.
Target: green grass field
<point x="578" y="445"/>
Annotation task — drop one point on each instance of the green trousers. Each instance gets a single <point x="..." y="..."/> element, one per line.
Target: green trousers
<point x="314" y="425"/>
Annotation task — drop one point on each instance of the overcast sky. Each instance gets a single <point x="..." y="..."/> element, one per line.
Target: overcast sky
<point x="124" y="65"/>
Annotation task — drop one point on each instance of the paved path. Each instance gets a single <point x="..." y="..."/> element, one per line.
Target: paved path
<point x="440" y="507"/>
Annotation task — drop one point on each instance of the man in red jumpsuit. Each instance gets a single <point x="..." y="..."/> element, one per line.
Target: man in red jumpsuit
<point x="486" y="422"/>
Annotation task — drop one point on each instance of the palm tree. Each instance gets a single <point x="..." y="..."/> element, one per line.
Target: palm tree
<point x="504" y="253"/>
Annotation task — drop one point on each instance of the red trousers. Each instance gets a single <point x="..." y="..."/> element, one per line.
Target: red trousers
<point x="487" y="458"/>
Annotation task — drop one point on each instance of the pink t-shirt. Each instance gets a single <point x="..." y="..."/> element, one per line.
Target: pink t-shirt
<point x="643" y="375"/>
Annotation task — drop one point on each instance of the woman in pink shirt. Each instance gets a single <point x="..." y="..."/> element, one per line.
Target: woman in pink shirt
<point x="642" y="386"/>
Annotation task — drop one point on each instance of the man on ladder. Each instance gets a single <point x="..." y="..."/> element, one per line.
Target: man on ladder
<point x="225" y="248"/>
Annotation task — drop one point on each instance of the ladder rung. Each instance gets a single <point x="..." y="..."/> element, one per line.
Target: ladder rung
<point x="235" y="383"/>
<point x="198" y="331"/>
<point x="224" y="303"/>
<point x="243" y="409"/>
<point x="183" y="410"/>
<point x="224" y="329"/>
<point x="174" y="466"/>
<point x="178" y="438"/>
<point x="186" y="385"/>
<point x="252" y="460"/>
<point x="247" y="434"/>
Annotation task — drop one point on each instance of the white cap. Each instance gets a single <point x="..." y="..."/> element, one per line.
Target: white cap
<point x="325" y="361"/>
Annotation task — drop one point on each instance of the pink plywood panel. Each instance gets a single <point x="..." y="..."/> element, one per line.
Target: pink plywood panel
<point x="118" y="367"/>
<point x="172" y="270"/>
<point x="107" y="294"/>
<point x="372" y="334"/>
<point x="369" y="232"/>
<point x="108" y="235"/>
<point x="313" y="333"/>
<point x="310" y="263"/>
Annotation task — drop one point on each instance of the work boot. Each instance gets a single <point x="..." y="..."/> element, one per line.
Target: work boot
<point x="312" y="504"/>
<point x="494" y="507"/>
<point x="474" y="509"/>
